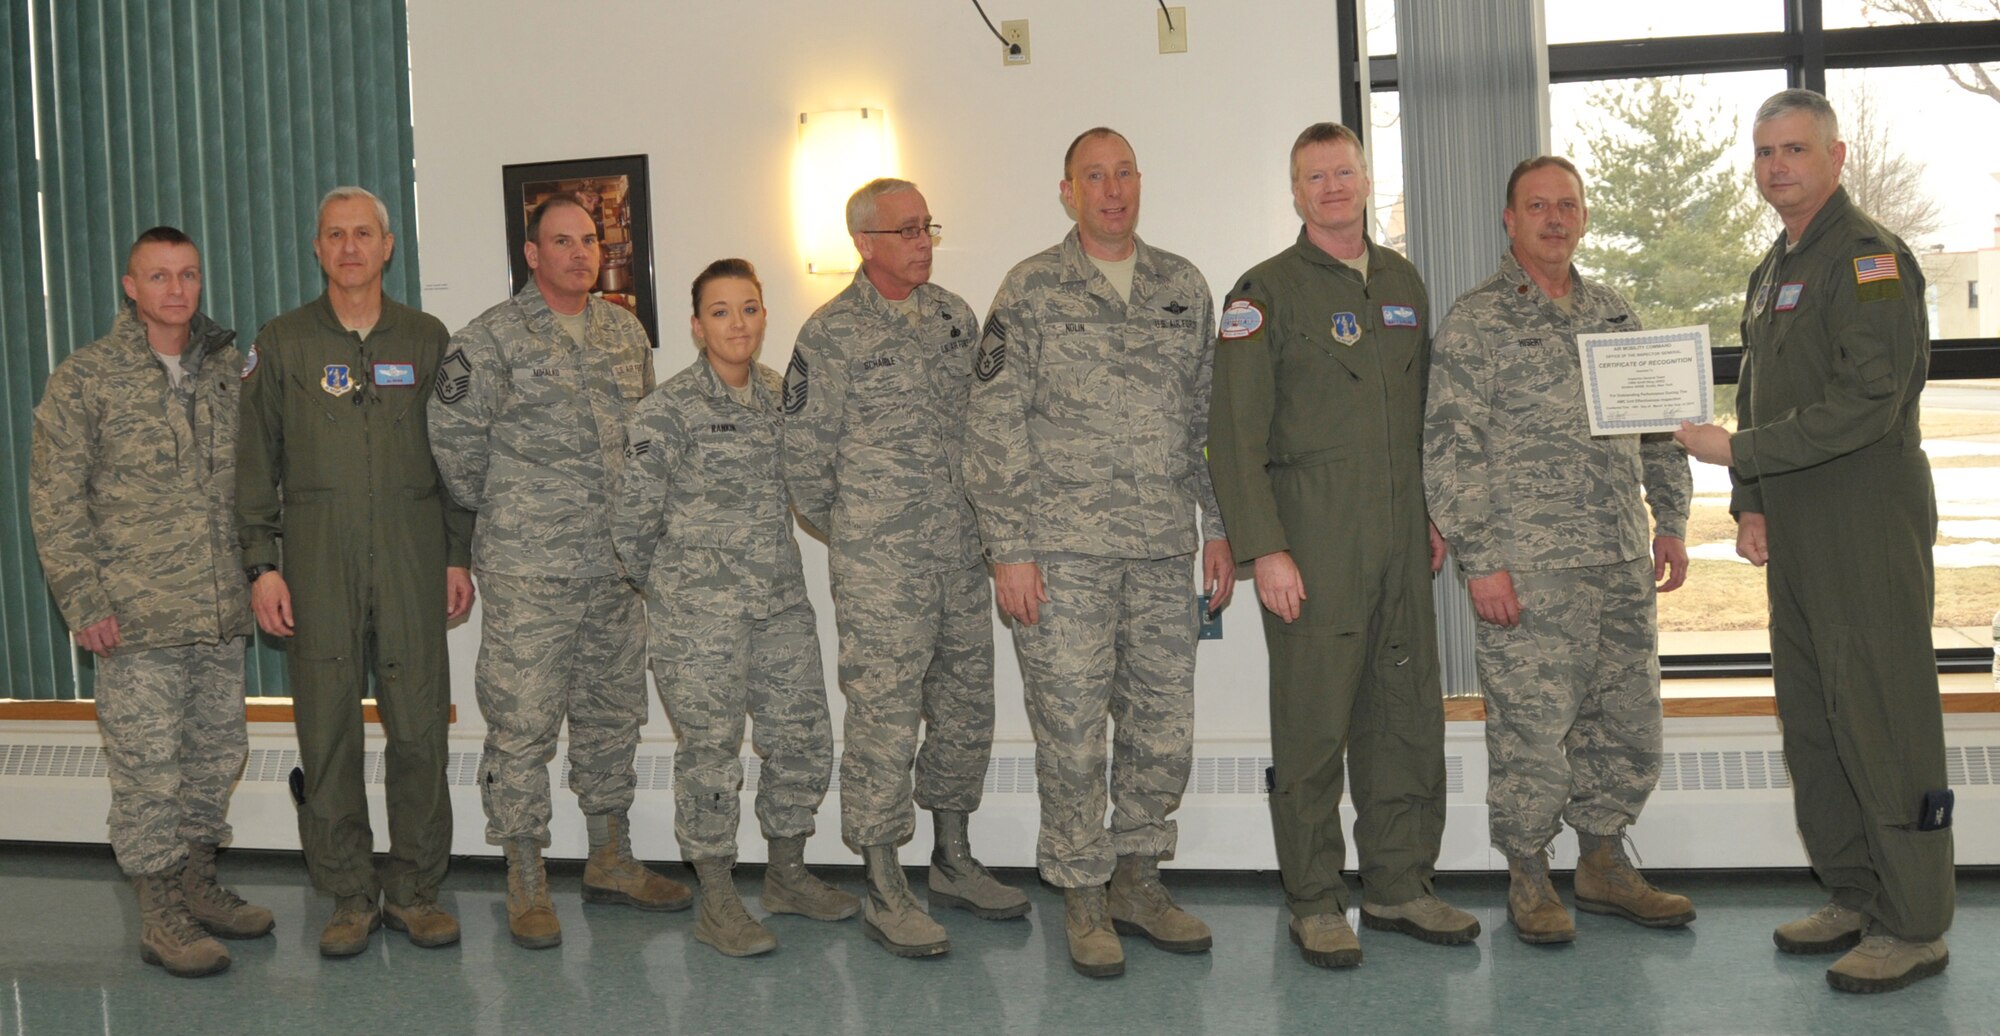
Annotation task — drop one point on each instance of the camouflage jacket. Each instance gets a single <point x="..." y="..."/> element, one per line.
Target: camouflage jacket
<point x="1089" y="415"/>
<point x="1836" y="347"/>
<point x="529" y="430"/>
<point x="132" y="488"/>
<point x="1514" y="478"/>
<point x="702" y="520"/>
<point x="875" y="426"/>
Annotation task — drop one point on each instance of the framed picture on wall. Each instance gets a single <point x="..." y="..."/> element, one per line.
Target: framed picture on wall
<point x="616" y="193"/>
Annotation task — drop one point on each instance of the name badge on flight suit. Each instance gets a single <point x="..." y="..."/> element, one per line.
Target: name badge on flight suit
<point x="1399" y="316"/>
<point x="1788" y="297"/>
<point x="386" y="374"/>
<point x="1346" y="328"/>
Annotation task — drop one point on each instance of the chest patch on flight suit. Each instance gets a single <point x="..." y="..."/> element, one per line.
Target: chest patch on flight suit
<point x="1346" y="328"/>
<point x="250" y="361"/>
<point x="395" y="374"/>
<point x="1399" y="316"/>
<point x="1788" y="296"/>
<point x="335" y="380"/>
<point x="1241" y="319"/>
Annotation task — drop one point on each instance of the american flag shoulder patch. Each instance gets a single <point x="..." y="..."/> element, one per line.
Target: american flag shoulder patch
<point x="1882" y="267"/>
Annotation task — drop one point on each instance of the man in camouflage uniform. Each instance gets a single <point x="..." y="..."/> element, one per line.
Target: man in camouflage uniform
<point x="355" y="555"/>
<point x="1316" y="448"/>
<point x="874" y="427"/>
<point x="1084" y="460"/>
<point x="1833" y="490"/>
<point x="1549" y="530"/>
<point x="131" y="493"/>
<point x="703" y="522"/>
<point x="528" y="427"/>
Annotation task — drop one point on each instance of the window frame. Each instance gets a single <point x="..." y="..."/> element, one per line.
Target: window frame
<point x="1805" y="50"/>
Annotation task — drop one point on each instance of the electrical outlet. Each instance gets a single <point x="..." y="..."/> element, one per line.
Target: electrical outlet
<point x="1173" y="29"/>
<point x="1015" y="34"/>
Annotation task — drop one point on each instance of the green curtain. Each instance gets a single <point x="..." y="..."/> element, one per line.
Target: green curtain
<point x="227" y="118"/>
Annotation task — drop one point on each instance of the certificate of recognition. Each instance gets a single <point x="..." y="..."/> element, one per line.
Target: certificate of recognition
<point x="1647" y="381"/>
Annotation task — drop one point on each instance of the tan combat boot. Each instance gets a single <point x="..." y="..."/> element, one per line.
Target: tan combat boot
<point x="346" y="932"/>
<point x="426" y="923"/>
<point x="791" y="889"/>
<point x="1606" y="883"/>
<point x="1140" y="905"/>
<point x="531" y="918"/>
<point x="1883" y="963"/>
<point x="1326" y="941"/>
<point x="958" y="880"/>
<point x="218" y="909"/>
<point x="1094" y="949"/>
<point x="721" y="920"/>
<point x="891" y="916"/>
<point x="1830" y="929"/>
<point x="169" y="936"/>
<point x="1532" y="904"/>
<point x="614" y="875"/>
<point x="1427" y="917"/>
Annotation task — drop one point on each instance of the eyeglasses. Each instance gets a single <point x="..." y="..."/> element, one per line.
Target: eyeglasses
<point x="935" y="230"/>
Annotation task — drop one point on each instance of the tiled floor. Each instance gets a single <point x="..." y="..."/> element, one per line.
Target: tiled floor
<point x="69" y="965"/>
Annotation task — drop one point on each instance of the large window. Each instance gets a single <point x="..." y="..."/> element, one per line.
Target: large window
<point x="1655" y="105"/>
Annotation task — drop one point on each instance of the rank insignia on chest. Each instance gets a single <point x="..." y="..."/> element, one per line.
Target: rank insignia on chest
<point x="1399" y="316"/>
<point x="1788" y="296"/>
<point x="336" y="381"/>
<point x="1346" y="328"/>
<point x="395" y="374"/>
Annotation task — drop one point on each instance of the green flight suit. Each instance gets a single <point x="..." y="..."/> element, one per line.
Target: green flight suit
<point x="1316" y="447"/>
<point x="336" y="486"/>
<point x="1836" y="347"/>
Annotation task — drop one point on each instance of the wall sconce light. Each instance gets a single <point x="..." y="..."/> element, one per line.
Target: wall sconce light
<point x="838" y="152"/>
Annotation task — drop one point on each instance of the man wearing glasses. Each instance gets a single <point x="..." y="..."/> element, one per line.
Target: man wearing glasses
<point x="875" y="402"/>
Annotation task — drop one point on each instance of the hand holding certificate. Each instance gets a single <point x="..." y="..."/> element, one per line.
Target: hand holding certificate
<point x="1647" y="381"/>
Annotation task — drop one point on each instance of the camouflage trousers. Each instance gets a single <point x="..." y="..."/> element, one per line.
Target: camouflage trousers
<point x="1116" y="638"/>
<point x="711" y="670"/>
<point x="1572" y="704"/>
<point x="174" y="743"/>
<point x="552" y="649"/>
<point x="915" y="648"/>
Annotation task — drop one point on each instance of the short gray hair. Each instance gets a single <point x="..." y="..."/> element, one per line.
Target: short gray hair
<point x="1813" y="103"/>
<point x="346" y="193"/>
<point x="861" y="204"/>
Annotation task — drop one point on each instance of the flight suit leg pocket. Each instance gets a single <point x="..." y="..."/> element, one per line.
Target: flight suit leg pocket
<point x="1890" y="730"/>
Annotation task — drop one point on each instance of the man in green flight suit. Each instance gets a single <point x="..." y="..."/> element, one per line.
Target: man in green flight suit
<point x="1833" y="498"/>
<point x="355" y="554"/>
<point x="1316" y="446"/>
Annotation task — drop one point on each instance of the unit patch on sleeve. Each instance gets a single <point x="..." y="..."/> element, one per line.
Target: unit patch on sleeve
<point x="250" y="362"/>
<point x="1876" y="277"/>
<point x="1241" y="319"/>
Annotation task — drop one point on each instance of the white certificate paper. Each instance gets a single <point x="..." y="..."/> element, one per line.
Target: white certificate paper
<point x="1647" y="381"/>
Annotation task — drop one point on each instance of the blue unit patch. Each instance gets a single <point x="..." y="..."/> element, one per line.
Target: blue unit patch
<point x="1399" y="316"/>
<point x="395" y="374"/>
<point x="336" y="381"/>
<point x="1346" y="328"/>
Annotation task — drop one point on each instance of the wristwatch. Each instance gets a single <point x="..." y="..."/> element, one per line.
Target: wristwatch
<point x="253" y="571"/>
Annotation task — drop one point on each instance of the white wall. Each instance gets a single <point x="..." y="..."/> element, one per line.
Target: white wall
<point x="711" y="93"/>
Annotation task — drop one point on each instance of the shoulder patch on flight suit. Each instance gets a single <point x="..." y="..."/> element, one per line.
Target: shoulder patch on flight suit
<point x="1876" y="277"/>
<point x="454" y="378"/>
<point x="1241" y="319"/>
<point x="250" y="362"/>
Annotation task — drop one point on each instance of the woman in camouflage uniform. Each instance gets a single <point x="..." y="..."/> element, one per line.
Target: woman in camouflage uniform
<point x="704" y="523"/>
